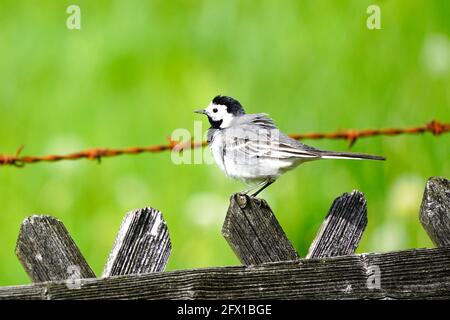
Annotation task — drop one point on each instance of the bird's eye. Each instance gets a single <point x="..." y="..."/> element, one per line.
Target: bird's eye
<point x="215" y="110"/>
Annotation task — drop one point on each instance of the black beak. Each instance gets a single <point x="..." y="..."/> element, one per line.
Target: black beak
<point x="201" y="111"/>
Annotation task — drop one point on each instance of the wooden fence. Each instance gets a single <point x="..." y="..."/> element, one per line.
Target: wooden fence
<point x="271" y="266"/>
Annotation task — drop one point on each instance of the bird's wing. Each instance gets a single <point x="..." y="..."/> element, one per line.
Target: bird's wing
<point x="260" y="120"/>
<point x="250" y="142"/>
<point x="294" y="146"/>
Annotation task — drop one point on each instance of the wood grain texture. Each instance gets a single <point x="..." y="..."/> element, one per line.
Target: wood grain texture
<point x="254" y="233"/>
<point x="411" y="274"/>
<point x="343" y="227"/>
<point x="435" y="210"/>
<point x="142" y="244"/>
<point x="47" y="251"/>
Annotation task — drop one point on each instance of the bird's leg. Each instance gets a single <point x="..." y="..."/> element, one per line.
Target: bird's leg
<point x="267" y="183"/>
<point x="254" y="187"/>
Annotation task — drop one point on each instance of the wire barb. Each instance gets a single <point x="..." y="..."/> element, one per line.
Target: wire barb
<point x="435" y="127"/>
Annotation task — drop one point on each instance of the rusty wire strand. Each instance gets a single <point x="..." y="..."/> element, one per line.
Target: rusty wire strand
<point x="434" y="127"/>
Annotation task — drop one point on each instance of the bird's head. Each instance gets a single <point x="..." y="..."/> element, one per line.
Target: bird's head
<point x="222" y="111"/>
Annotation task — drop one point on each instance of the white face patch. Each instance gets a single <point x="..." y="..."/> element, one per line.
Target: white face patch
<point x="218" y="112"/>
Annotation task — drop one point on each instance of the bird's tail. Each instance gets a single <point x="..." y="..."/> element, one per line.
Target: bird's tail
<point x="348" y="155"/>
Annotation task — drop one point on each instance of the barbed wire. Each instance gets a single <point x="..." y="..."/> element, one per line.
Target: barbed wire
<point x="434" y="127"/>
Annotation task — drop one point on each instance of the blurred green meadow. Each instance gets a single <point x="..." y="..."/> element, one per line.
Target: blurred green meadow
<point x="137" y="69"/>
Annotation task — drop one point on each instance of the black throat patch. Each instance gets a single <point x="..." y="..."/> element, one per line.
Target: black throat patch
<point x="215" y="124"/>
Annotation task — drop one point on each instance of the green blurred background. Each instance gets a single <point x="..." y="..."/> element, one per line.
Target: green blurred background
<point x="136" y="71"/>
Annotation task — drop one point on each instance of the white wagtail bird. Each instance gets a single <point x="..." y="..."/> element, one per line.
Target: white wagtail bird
<point x="250" y="147"/>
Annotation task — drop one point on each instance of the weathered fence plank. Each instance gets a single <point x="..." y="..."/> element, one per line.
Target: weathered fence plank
<point x="47" y="251"/>
<point x="24" y="292"/>
<point x="435" y="210"/>
<point x="254" y="233"/>
<point x="343" y="227"/>
<point x="411" y="274"/>
<point x="142" y="244"/>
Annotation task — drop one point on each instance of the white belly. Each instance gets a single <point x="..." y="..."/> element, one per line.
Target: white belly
<point x="256" y="169"/>
<point x="217" y="150"/>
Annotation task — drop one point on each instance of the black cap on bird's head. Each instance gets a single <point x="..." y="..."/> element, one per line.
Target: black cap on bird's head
<point x="233" y="106"/>
<point x="222" y="111"/>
